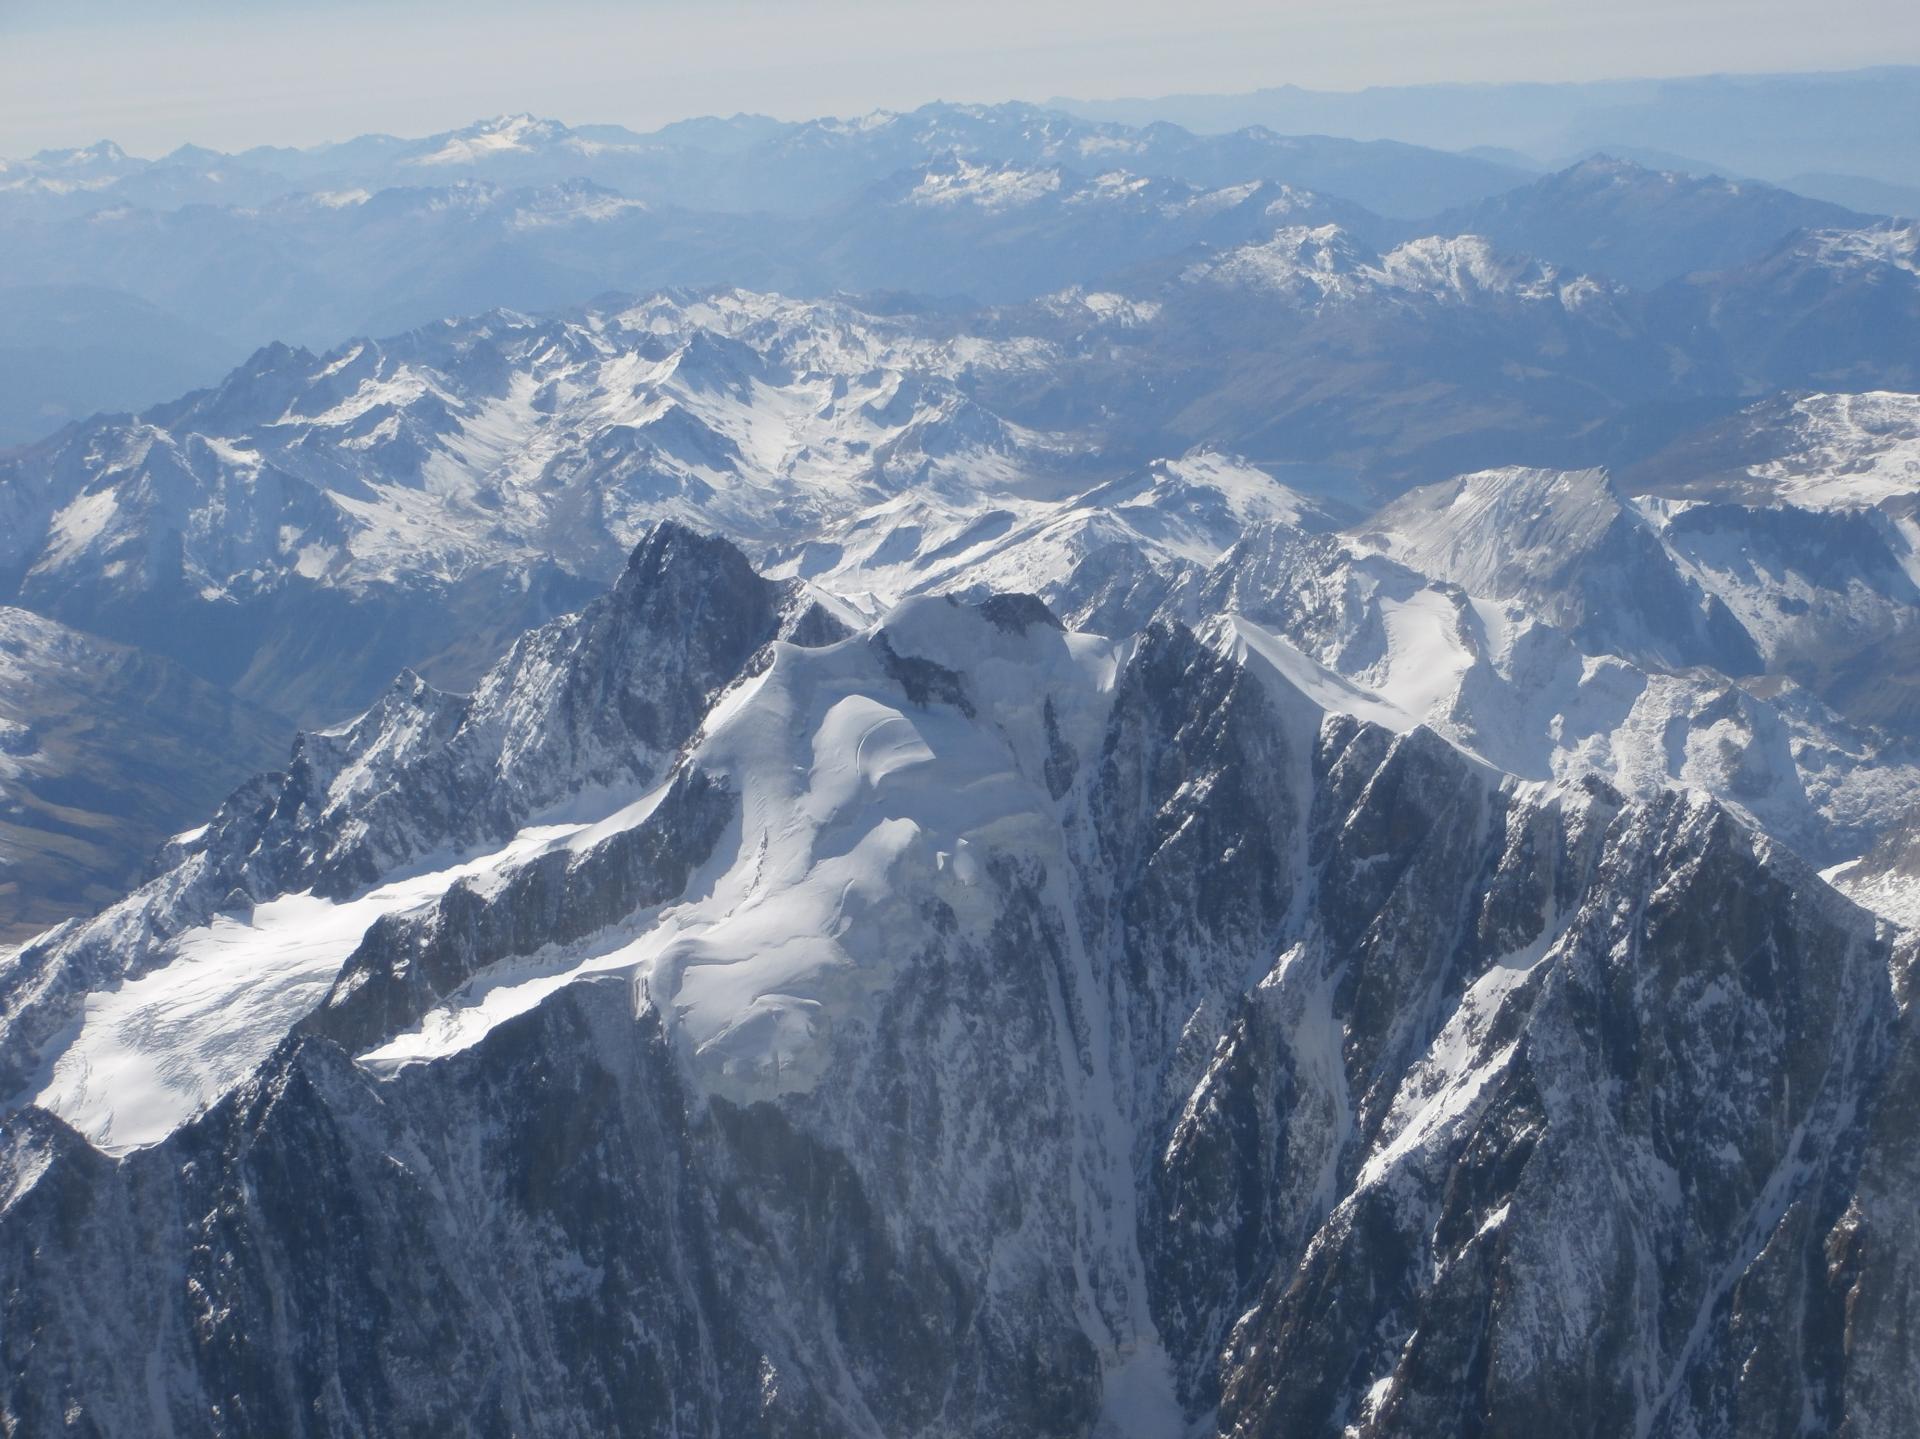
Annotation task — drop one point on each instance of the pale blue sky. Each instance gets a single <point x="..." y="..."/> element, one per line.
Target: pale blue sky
<point x="228" y="74"/>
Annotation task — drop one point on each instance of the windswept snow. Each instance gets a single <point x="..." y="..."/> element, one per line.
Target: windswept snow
<point x="505" y="135"/>
<point x="152" y="1053"/>
<point x="990" y="187"/>
<point x="1892" y="244"/>
<point x="1325" y="264"/>
<point x="854" y="812"/>
<point x="1847" y="450"/>
<point x="1247" y="643"/>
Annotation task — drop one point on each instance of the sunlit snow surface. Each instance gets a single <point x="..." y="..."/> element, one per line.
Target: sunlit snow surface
<point x="854" y="811"/>
<point x="1848" y="450"/>
<point x="857" y="807"/>
<point x="151" y="1054"/>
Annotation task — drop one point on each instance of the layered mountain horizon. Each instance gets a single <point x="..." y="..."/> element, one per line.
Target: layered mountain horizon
<point x="971" y="772"/>
<point x="317" y="522"/>
<point x="130" y="280"/>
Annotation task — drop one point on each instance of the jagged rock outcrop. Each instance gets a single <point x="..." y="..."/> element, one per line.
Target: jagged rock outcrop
<point x="979" y="1028"/>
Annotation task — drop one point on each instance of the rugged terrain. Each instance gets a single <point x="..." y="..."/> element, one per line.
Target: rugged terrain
<point x="953" y="1024"/>
<point x="1246" y="814"/>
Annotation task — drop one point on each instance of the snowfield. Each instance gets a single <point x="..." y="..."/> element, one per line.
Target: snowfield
<point x="154" y="1052"/>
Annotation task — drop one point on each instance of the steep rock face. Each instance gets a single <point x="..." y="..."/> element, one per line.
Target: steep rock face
<point x="1886" y="879"/>
<point x="989" y="1029"/>
<point x="1567" y="546"/>
<point x="1378" y="638"/>
<point x="1826" y="594"/>
<point x="586" y="707"/>
<point x="105" y="753"/>
<point x="341" y="1275"/>
<point x="601" y="699"/>
<point x="1646" y="1126"/>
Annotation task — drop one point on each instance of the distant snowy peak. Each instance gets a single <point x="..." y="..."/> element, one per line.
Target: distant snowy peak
<point x="1604" y="171"/>
<point x="1568" y="546"/>
<point x="752" y="164"/>
<point x="1248" y="493"/>
<point x="569" y="203"/>
<point x="486" y="456"/>
<point x="1011" y="129"/>
<point x="1888" y="247"/>
<point x="1078" y="304"/>
<point x="1483" y="527"/>
<point x="958" y="181"/>
<point x="1819" y="451"/>
<point x="1876" y="265"/>
<point x="1320" y="261"/>
<point x="500" y="455"/>
<point x="1844" y="450"/>
<point x="100" y="154"/>
<point x="56" y="172"/>
<point x="1327" y="263"/>
<point x="1459" y="267"/>
<point x="955" y="180"/>
<point x="1702" y="196"/>
<point x="1644" y="226"/>
<point x="490" y="139"/>
<point x="1103" y="559"/>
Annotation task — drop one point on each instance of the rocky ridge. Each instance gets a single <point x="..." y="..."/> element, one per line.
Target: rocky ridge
<point x="975" y="1027"/>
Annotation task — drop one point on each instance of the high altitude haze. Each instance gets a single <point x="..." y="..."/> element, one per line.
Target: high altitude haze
<point x="227" y="74"/>
<point x="1189" y="768"/>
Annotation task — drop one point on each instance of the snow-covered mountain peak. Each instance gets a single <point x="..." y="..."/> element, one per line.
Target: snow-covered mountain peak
<point x="1567" y="546"/>
<point x="563" y="746"/>
<point x="481" y="445"/>
<point x="1610" y="169"/>
<point x="1459" y="266"/>
<point x="1819" y="451"/>
<point x="1846" y="450"/>
<point x="102" y="153"/>
<point x="959" y="181"/>
<point x="1281" y="199"/>
<point x="1892" y="245"/>
<point x="1326" y="262"/>
<point x="1198" y="505"/>
<point x="845" y="782"/>
<point x="572" y="202"/>
<point x="1533" y="515"/>
<point x="876" y="778"/>
<point x="902" y="864"/>
<point x="957" y="954"/>
<point x="486" y="139"/>
<point x="1297" y="259"/>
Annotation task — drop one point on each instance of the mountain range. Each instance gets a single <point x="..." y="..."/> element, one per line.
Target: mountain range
<point x="131" y="280"/>
<point x="1835" y="131"/>
<point x="950" y="1023"/>
<point x="315" y="523"/>
<point x="969" y="773"/>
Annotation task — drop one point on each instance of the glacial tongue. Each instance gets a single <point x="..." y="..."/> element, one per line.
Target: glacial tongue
<point x="580" y="717"/>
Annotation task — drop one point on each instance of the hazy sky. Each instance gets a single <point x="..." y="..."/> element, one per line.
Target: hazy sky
<point x="230" y="73"/>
